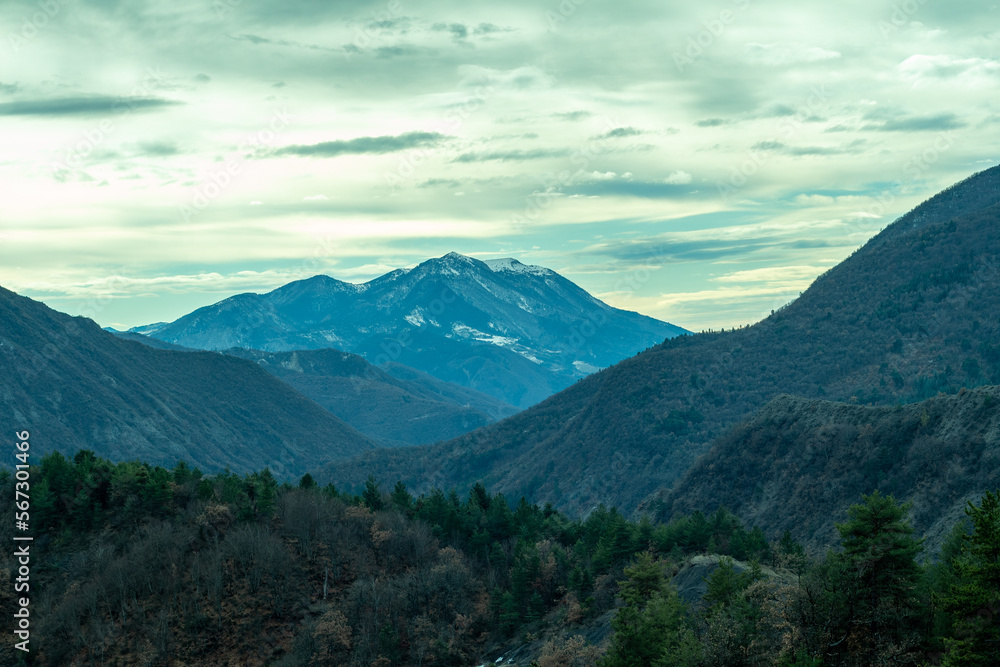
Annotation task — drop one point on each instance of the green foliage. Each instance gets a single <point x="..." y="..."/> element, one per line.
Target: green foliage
<point x="725" y="584"/>
<point x="653" y="620"/>
<point x="974" y="599"/>
<point x="372" y="495"/>
<point x="871" y="589"/>
<point x="441" y="576"/>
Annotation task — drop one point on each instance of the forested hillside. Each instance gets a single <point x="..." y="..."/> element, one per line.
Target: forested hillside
<point x="76" y="387"/>
<point x="387" y="409"/>
<point x="799" y="463"/>
<point x="911" y="314"/>
<point x="135" y="564"/>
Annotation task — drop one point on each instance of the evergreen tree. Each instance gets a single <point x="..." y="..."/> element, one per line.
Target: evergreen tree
<point x="880" y="556"/>
<point x="372" y="495"/>
<point x="975" y="599"/>
<point x="401" y="498"/>
<point x="652" y="621"/>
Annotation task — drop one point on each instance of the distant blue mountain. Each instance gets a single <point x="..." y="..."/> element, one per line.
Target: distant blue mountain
<point x="516" y="332"/>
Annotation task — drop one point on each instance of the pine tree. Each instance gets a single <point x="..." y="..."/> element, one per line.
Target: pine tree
<point x="651" y="624"/>
<point x="401" y="498"/>
<point x="372" y="495"/>
<point x="880" y="556"/>
<point x="975" y="600"/>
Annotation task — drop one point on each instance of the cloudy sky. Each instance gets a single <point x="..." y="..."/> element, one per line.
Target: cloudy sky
<point x="697" y="162"/>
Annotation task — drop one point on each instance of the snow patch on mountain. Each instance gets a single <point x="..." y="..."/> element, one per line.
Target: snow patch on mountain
<point x="465" y="331"/>
<point x="415" y="318"/>
<point x="511" y="265"/>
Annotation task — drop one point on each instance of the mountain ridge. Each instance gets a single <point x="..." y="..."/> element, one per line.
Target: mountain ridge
<point x="76" y="386"/>
<point x="909" y="314"/>
<point x="514" y="331"/>
<point x="798" y="464"/>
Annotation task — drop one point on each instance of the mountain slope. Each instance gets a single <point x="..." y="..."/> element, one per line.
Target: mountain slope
<point x="75" y="386"/>
<point x="516" y="332"/>
<point x="911" y="313"/>
<point x="389" y="410"/>
<point x="450" y="392"/>
<point x="800" y="463"/>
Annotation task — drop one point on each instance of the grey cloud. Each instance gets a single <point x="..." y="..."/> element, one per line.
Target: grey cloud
<point x="457" y="30"/>
<point x="396" y="51"/>
<point x="711" y="122"/>
<point x="853" y="147"/>
<point x="641" y="189"/>
<point x="401" y="24"/>
<point x="895" y="119"/>
<point x="708" y="249"/>
<point x="9" y="88"/>
<point x="202" y="78"/>
<point x="257" y="40"/>
<point x="776" y="110"/>
<point x="503" y="156"/>
<point x="944" y="121"/>
<point x="620" y="132"/>
<point x="157" y="148"/>
<point x="573" y="115"/>
<point x="370" y="145"/>
<point x="78" y="106"/>
<point x="489" y="29"/>
<point x="441" y="182"/>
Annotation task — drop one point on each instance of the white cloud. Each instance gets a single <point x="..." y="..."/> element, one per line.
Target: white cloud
<point x="968" y="71"/>
<point x="678" y="178"/>
<point x="316" y="198"/>
<point x="787" y="54"/>
<point x="772" y="274"/>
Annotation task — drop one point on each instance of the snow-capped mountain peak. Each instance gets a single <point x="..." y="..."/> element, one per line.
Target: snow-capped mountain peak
<point x="511" y="265"/>
<point x="516" y="331"/>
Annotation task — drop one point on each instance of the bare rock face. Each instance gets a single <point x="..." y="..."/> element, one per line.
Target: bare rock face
<point x="691" y="580"/>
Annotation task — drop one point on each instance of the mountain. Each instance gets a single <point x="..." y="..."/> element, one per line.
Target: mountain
<point x="394" y="406"/>
<point x="910" y="314"/>
<point x="387" y="409"/>
<point x="75" y="386"/>
<point x="148" y="340"/>
<point x="515" y="332"/>
<point x="800" y="463"/>
<point x="450" y="392"/>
